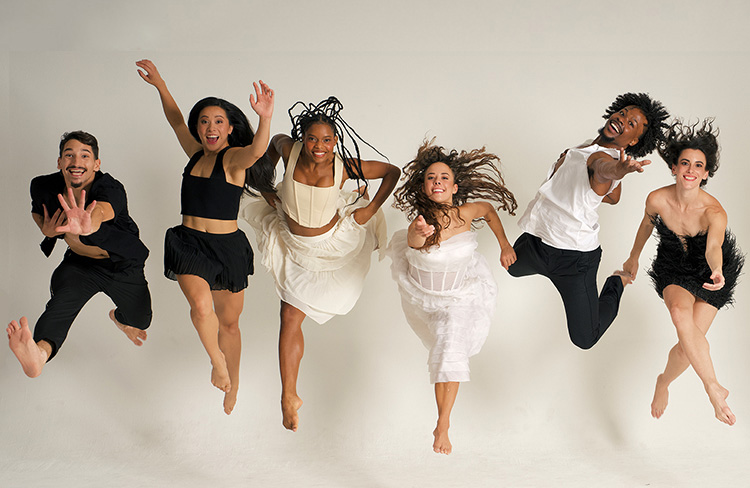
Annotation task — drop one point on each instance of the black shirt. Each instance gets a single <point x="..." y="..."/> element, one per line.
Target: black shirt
<point x="118" y="236"/>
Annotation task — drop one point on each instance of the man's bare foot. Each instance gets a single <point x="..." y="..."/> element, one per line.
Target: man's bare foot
<point x="135" y="335"/>
<point x="626" y="277"/>
<point x="29" y="354"/>
<point x="220" y="375"/>
<point x="442" y="444"/>
<point x="661" y="398"/>
<point x="289" y="407"/>
<point x="718" y="397"/>
<point x="230" y="400"/>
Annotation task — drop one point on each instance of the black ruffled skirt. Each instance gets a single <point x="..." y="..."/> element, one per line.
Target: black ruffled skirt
<point x="681" y="261"/>
<point x="223" y="260"/>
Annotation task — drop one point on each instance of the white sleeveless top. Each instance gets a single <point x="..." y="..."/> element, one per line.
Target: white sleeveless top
<point x="309" y="206"/>
<point x="563" y="214"/>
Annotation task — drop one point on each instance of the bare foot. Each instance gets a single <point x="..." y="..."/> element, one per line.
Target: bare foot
<point x="442" y="444"/>
<point x="661" y="397"/>
<point x="626" y="277"/>
<point x="29" y="354"/>
<point x="230" y="399"/>
<point x="289" y="407"/>
<point x="220" y="375"/>
<point x="718" y="397"/>
<point x="135" y="335"/>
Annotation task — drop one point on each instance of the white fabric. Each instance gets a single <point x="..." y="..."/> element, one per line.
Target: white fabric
<point x="309" y="206"/>
<point x="322" y="275"/>
<point x="563" y="214"/>
<point x="453" y="316"/>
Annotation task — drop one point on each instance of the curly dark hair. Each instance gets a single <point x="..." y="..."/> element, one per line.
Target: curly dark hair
<point x="260" y="176"/>
<point x="328" y="112"/>
<point x="701" y="136"/>
<point x="475" y="172"/>
<point x="655" y="114"/>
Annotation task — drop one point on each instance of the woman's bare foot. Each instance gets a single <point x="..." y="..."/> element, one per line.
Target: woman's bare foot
<point x="442" y="444"/>
<point x="718" y="397"/>
<point x="220" y="375"/>
<point x="135" y="335"/>
<point x="29" y="354"/>
<point x="230" y="400"/>
<point x="289" y="407"/>
<point x="661" y="398"/>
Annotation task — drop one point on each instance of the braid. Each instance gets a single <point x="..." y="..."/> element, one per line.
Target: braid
<point x="328" y="112"/>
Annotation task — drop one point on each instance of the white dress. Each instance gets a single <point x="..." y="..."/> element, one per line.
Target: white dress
<point x="322" y="275"/>
<point x="448" y="295"/>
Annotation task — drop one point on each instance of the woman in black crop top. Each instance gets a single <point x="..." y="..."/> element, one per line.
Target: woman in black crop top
<point x="208" y="255"/>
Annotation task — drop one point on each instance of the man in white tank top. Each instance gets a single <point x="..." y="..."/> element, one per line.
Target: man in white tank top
<point x="561" y="224"/>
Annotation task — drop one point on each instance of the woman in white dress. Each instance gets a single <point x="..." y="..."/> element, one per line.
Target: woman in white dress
<point x="447" y="290"/>
<point x="315" y="238"/>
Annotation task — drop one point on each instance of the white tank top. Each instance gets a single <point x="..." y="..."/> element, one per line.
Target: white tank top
<point x="563" y="214"/>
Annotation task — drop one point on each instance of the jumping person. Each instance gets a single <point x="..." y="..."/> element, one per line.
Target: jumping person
<point x="208" y="254"/>
<point x="88" y="209"/>
<point x="697" y="261"/>
<point x="447" y="290"/>
<point x="561" y="224"/>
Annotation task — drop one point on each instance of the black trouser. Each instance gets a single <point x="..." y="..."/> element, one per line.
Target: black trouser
<point x="79" y="278"/>
<point x="574" y="275"/>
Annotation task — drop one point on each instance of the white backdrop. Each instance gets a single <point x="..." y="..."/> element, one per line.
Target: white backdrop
<point x="525" y="79"/>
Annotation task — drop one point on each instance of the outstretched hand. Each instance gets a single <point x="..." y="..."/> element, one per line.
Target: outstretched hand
<point x="149" y="73"/>
<point x="50" y="225"/>
<point x="717" y="281"/>
<point x="79" y="218"/>
<point x="262" y="102"/>
<point x="626" y="164"/>
<point x="422" y="228"/>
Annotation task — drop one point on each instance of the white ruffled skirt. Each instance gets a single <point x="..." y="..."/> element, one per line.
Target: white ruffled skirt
<point x="321" y="275"/>
<point x="448" y="295"/>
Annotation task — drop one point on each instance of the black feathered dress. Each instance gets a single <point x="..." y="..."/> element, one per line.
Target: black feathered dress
<point x="681" y="261"/>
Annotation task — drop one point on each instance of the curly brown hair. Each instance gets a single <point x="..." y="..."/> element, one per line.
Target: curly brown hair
<point x="475" y="172"/>
<point x="701" y="136"/>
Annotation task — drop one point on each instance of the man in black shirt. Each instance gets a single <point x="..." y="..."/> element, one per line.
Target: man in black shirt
<point x="104" y="253"/>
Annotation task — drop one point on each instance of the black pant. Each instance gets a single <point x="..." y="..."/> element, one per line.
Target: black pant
<point x="574" y="275"/>
<point x="79" y="278"/>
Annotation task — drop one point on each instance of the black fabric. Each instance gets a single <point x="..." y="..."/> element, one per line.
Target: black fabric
<point x="574" y="275"/>
<point x="681" y="261"/>
<point x="118" y="236"/>
<point x="210" y="198"/>
<point x="79" y="278"/>
<point x="223" y="260"/>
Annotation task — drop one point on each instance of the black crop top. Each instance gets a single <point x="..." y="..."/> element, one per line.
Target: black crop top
<point x="212" y="197"/>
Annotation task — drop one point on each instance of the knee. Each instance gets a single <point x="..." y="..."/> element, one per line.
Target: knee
<point x="201" y="309"/>
<point x="229" y="326"/>
<point x="291" y="317"/>
<point x="680" y="315"/>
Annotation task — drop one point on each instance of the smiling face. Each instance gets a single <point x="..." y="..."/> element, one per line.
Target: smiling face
<point x="319" y="143"/>
<point x="78" y="164"/>
<point x="624" y="128"/>
<point x="439" y="183"/>
<point x="213" y="128"/>
<point x="690" y="169"/>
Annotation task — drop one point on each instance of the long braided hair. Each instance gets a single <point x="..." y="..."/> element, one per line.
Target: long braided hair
<point x="475" y="172"/>
<point x="328" y="112"/>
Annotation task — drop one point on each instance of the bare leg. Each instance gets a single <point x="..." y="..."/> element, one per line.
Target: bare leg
<point x="445" y="396"/>
<point x="228" y="309"/>
<point x="199" y="296"/>
<point x="291" y="349"/>
<point x="677" y="361"/>
<point x="135" y="335"/>
<point x="32" y="355"/>
<point x="680" y="303"/>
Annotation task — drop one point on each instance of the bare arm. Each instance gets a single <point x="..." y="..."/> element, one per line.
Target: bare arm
<point x="485" y="210"/>
<point x="418" y="232"/>
<point x="605" y="169"/>
<point x="389" y="175"/>
<point x="717" y="225"/>
<point x="48" y="224"/>
<point x="151" y="75"/>
<point x="241" y="158"/>
<point x="642" y="235"/>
